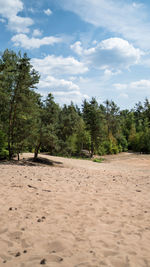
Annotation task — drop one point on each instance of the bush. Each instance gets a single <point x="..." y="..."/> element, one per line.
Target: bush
<point x="122" y="143"/>
<point x="112" y="146"/>
<point x="102" y="149"/>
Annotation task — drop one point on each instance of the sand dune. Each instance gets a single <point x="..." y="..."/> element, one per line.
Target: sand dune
<point x="75" y="213"/>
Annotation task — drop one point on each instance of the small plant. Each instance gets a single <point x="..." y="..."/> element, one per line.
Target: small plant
<point x="98" y="160"/>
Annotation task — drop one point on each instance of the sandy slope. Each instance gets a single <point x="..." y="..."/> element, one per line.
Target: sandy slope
<point x="76" y="213"/>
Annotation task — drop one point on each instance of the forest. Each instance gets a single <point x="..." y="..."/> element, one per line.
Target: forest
<point x="29" y="123"/>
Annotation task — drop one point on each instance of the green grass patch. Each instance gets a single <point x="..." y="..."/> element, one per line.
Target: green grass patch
<point x="98" y="160"/>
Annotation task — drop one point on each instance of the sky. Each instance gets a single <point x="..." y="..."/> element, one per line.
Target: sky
<point x="83" y="49"/>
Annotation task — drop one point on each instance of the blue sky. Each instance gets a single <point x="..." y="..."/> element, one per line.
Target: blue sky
<point x="81" y="49"/>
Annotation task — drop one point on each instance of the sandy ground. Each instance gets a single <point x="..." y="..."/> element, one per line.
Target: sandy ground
<point x="75" y="213"/>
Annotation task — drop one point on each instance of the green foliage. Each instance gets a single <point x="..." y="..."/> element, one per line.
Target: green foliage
<point x="98" y="160"/>
<point x="71" y="144"/>
<point x="122" y="143"/>
<point x="29" y="123"/>
<point x="3" y="146"/>
<point x="45" y="137"/>
<point x="111" y="112"/>
<point x="17" y="80"/>
<point x="93" y="117"/>
<point x="141" y="142"/>
<point x="110" y="147"/>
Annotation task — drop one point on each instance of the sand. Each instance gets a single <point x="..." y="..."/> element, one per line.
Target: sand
<point x="75" y="213"/>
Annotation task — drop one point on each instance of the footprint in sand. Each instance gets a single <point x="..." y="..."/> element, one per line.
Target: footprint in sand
<point x="5" y="257"/>
<point x="9" y="244"/>
<point x="108" y="253"/>
<point x="25" y="244"/>
<point x="55" y="258"/>
<point x="15" y="235"/>
<point x="55" y="247"/>
<point x="48" y="258"/>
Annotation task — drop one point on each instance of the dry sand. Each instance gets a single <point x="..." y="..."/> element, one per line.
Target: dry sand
<point x="76" y="213"/>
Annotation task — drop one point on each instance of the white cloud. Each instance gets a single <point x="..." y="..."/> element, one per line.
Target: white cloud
<point x="9" y="9"/>
<point x="19" y="24"/>
<point x="57" y="84"/>
<point x="110" y="54"/>
<point x="58" y="75"/>
<point x="59" y="65"/>
<point x="137" y="85"/>
<point x="142" y="84"/>
<point x="63" y="90"/>
<point x="2" y="20"/>
<point x="29" y="43"/>
<point x="83" y="80"/>
<point x="120" y="86"/>
<point x="48" y="12"/>
<point x="124" y="96"/>
<point x="37" y="32"/>
<point x="66" y="97"/>
<point x="72" y="78"/>
<point x="109" y="73"/>
<point x="77" y="48"/>
<point x="131" y="20"/>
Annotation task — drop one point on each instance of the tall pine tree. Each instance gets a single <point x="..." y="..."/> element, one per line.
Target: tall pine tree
<point x="17" y="81"/>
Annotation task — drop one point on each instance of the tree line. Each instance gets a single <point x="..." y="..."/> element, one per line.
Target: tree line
<point x="29" y="123"/>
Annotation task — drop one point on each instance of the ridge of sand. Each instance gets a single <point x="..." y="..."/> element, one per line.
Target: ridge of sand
<point x="75" y="213"/>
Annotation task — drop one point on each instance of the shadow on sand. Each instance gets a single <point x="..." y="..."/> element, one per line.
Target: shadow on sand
<point x="40" y="161"/>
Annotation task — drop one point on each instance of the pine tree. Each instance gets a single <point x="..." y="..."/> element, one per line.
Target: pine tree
<point x="17" y="80"/>
<point x="93" y="119"/>
<point x="46" y="126"/>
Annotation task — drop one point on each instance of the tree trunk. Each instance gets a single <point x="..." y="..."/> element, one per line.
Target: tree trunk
<point x="35" y="154"/>
<point x="10" y="130"/>
<point x="10" y="154"/>
<point x="92" y="149"/>
<point x="9" y="138"/>
<point x="36" y="151"/>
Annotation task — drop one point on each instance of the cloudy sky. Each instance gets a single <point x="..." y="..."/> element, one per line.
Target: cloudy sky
<point x="85" y="48"/>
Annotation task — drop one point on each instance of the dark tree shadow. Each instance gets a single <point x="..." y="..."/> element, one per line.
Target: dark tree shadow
<point x="40" y="161"/>
<point x="45" y="161"/>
